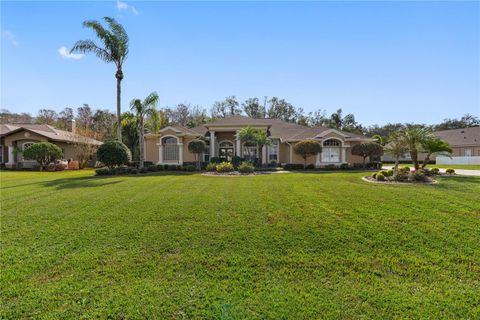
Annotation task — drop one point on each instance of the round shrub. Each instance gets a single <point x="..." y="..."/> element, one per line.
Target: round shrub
<point x="389" y="173"/>
<point x="215" y="160"/>
<point x="44" y="153"/>
<point x="113" y="153"/>
<point x="374" y="175"/>
<point x="404" y="169"/>
<point x="212" y="166"/>
<point x="380" y="177"/>
<point x="450" y="171"/>
<point x="103" y="171"/>
<point x="384" y="172"/>
<point x="143" y="170"/>
<point x="152" y="168"/>
<point x="418" y="176"/>
<point x="225" y="167"/>
<point x="190" y="168"/>
<point x="310" y="167"/>
<point x="434" y="170"/>
<point x="246" y="167"/>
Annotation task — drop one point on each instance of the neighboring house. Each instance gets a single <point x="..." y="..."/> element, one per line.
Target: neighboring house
<point x="170" y="146"/>
<point x="14" y="138"/>
<point x="464" y="142"/>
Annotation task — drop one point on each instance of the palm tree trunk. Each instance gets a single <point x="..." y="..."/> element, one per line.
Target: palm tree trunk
<point x="364" y="162"/>
<point x="395" y="168"/>
<point x="119" y="76"/>
<point x="141" y="145"/>
<point x="426" y="161"/>
<point x="414" y="156"/>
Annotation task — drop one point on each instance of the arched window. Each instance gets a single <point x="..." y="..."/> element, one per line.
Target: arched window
<point x="225" y="144"/>
<point x="170" y="149"/>
<point x="331" y="143"/>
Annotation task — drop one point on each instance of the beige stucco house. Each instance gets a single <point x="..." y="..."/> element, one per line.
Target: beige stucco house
<point x="14" y="138"/>
<point x="170" y="146"/>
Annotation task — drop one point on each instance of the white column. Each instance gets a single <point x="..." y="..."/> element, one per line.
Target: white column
<point x="160" y="154"/>
<point x="238" y="148"/>
<point x="180" y="153"/>
<point x="11" y="159"/>
<point x="212" y="144"/>
<point x="343" y="158"/>
<point x="264" y="154"/>
<point x="291" y="153"/>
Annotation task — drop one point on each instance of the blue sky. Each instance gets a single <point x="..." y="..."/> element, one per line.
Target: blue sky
<point x="382" y="61"/>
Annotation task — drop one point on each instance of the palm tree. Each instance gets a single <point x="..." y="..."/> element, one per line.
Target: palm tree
<point x="396" y="147"/>
<point x="413" y="137"/>
<point x="262" y="139"/>
<point x="114" y="50"/>
<point x="142" y="109"/>
<point x="431" y="146"/>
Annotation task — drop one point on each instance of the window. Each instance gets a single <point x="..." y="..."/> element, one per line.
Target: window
<point x="331" y="143"/>
<point x="468" y="152"/>
<point x="25" y="146"/>
<point x="206" y="154"/>
<point x="273" y="151"/>
<point x="170" y="149"/>
<point x="250" y="152"/>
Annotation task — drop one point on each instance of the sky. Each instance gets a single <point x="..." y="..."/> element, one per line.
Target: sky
<point x="382" y="61"/>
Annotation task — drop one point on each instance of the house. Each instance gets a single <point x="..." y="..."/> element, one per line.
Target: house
<point x="465" y="144"/>
<point x="14" y="138"/>
<point x="170" y="145"/>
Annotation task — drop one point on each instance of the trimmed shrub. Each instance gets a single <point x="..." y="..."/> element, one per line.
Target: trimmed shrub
<point x="404" y="169"/>
<point x="307" y="148"/>
<point x="246" y="167"/>
<point x="143" y="170"/>
<point x="104" y="171"/>
<point x="225" y="167"/>
<point x="384" y="172"/>
<point x="418" y="175"/>
<point x="389" y="173"/>
<point x="400" y="176"/>
<point x="152" y="168"/>
<point x="380" y="177"/>
<point x="374" y="175"/>
<point x="450" y="171"/>
<point x="374" y="165"/>
<point x="44" y="153"/>
<point x="215" y="160"/>
<point x="133" y="170"/>
<point x="344" y="166"/>
<point x="190" y="168"/>
<point x="310" y="167"/>
<point x="113" y="153"/>
<point x="293" y="166"/>
<point x="212" y="166"/>
<point x="236" y="161"/>
<point x="330" y="167"/>
<point x="273" y="164"/>
<point x="435" y="170"/>
<point x="160" y="167"/>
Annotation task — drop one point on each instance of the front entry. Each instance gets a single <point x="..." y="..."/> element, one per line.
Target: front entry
<point x="225" y="154"/>
<point x="331" y="155"/>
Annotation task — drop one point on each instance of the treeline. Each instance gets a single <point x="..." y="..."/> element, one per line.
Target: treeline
<point x="102" y="122"/>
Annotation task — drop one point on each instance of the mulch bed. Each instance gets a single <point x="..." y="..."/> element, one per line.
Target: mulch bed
<point x="372" y="180"/>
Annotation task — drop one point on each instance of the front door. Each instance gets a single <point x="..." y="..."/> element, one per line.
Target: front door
<point x="331" y="155"/>
<point x="226" y="154"/>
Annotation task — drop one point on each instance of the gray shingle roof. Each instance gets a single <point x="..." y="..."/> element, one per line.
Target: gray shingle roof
<point x="47" y="131"/>
<point x="460" y="137"/>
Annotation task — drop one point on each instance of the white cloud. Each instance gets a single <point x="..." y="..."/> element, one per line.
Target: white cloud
<point x="10" y="37"/>
<point x="67" y="55"/>
<point x="121" y="6"/>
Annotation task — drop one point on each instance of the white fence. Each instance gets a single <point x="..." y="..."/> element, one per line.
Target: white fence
<point x="458" y="160"/>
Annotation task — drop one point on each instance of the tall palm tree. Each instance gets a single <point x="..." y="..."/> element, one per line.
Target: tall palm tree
<point x="432" y="146"/>
<point x="143" y="109"/>
<point x="413" y="137"/>
<point x="396" y="147"/>
<point x="114" y="50"/>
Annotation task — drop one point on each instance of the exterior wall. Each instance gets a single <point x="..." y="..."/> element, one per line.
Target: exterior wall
<point x="22" y="135"/>
<point x="284" y="153"/>
<point x="187" y="156"/>
<point x="151" y="149"/>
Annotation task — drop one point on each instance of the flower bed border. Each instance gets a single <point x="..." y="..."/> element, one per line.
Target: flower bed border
<point x="372" y="180"/>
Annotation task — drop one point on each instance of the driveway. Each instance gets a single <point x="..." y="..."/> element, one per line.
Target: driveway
<point x="462" y="172"/>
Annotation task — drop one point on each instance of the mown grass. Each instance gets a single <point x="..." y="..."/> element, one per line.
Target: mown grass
<point x="279" y="246"/>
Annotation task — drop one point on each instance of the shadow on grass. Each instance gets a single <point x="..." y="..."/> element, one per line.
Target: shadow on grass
<point x="461" y="180"/>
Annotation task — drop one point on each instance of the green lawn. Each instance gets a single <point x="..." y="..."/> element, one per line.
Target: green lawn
<point x="445" y="166"/>
<point x="279" y="246"/>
